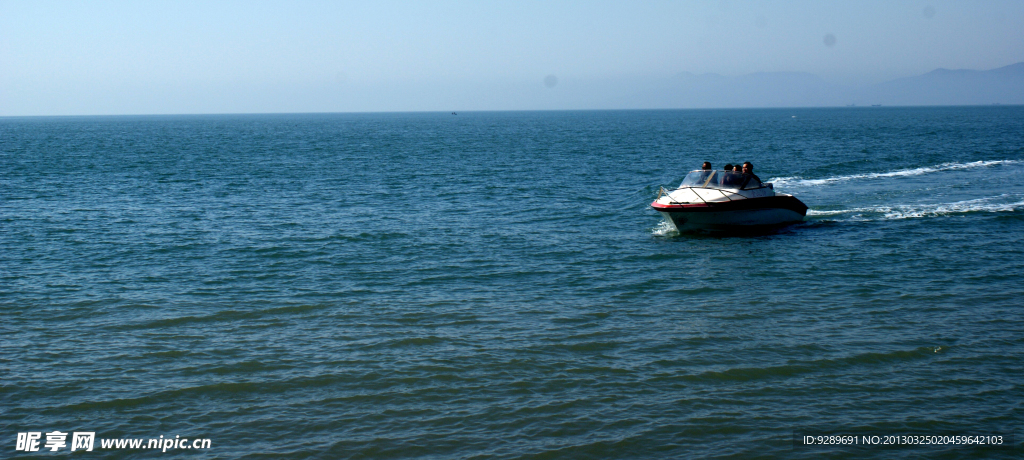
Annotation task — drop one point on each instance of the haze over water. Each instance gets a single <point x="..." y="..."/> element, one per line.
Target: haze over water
<point x="495" y="285"/>
<point x="115" y="57"/>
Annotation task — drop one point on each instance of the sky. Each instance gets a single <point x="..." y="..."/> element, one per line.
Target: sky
<point x="165" y="57"/>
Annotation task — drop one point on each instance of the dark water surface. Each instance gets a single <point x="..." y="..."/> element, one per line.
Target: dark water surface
<point x="494" y="285"/>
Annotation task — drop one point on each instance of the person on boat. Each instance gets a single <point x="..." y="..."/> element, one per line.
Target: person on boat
<point x="705" y="171"/>
<point x="720" y="178"/>
<point x="729" y="179"/>
<point x="748" y="176"/>
<point x="748" y="168"/>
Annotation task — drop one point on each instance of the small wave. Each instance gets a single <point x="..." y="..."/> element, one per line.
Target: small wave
<point x="797" y="368"/>
<point x="925" y="210"/>
<point x="221" y="316"/>
<point x="799" y="181"/>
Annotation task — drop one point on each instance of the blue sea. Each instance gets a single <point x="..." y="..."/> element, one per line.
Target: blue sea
<point x="495" y="284"/>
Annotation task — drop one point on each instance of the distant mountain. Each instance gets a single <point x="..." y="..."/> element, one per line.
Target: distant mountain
<point x="1004" y="85"/>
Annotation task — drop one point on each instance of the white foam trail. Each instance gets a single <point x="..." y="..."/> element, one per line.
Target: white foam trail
<point x="924" y="210"/>
<point x="663" y="229"/>
<point x="798" y="181"/>
<point x="811" y="212"/>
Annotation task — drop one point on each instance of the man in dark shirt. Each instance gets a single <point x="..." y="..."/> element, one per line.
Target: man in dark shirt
<point x="705" y="172"/>
<point x="748" y="174"/>
<point x="748" y="168"/>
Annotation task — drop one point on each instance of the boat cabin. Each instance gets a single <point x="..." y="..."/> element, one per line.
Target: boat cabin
<point x="720" y="180"/>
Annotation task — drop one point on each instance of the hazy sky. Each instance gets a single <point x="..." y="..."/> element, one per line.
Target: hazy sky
<point x="101" y="57"/>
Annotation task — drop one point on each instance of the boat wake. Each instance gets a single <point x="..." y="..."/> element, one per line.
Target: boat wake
<point x="796" y="181"/>
<point x="994" y="204"/>
<point x="663" y="229"/>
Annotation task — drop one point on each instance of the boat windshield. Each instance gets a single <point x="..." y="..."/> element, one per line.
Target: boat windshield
<point x="720" y="179"/>
<point x="696" y="178"/>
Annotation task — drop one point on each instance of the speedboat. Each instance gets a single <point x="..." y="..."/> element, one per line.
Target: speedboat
<point x="725" y="200"/>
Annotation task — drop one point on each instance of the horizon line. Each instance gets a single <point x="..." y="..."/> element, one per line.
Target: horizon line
<point x="383" y="112"/>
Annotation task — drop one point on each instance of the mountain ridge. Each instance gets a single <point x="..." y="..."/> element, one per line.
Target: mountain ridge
<point x="941" y="86"/>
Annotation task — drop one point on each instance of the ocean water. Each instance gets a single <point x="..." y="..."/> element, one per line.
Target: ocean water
<point x="495" y="285"/>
